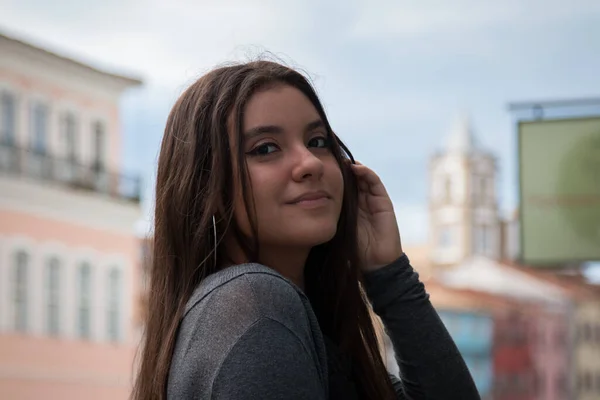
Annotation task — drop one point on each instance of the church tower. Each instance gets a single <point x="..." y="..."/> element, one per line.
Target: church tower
<point x="463" y="207"/>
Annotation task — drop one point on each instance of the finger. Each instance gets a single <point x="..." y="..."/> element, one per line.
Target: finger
<point x="362" y="200"/>
<point x="374" y="183"/>
<point x="362" y="185"/>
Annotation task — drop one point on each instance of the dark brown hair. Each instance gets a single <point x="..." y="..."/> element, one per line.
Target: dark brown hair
<point x="195" y="181"/>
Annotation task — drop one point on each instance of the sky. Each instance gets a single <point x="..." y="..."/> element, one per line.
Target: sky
<point x="393" y="75"/>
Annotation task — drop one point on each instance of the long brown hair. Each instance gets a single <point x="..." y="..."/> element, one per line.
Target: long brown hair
<point x="195" y="181"/>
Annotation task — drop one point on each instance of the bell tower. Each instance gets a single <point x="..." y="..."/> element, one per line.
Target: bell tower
<point x="463" y="207"/>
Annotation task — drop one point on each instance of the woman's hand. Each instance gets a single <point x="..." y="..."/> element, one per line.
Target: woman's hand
<point x="378" y="235"/>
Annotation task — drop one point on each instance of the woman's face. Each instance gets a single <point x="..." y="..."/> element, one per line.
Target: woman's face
<point x="297" y="184"/>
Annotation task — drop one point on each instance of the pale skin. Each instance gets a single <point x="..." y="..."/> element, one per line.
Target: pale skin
<point x="288" y="157"/>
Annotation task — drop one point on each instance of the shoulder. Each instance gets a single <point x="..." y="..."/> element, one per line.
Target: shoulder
<point x="253" y="289"/>
<point x="229" y="313"/>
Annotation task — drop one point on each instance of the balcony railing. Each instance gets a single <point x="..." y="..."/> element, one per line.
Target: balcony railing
<point x="45" y="167"/>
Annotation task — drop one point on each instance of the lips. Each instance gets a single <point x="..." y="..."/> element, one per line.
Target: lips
<point x="311" y="196"/>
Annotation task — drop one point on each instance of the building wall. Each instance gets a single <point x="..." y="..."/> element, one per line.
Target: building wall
<point x="43" y="238"/>
<point x="35" y="361"/>
<point x="30" y="89"/>
<point x="514" y="372"/>
<point x="448" y="212"/>
<point x="549" y="337"/>
<point x="38" y="368"/>
<point x="47" y="349"/>
<point x="587" y="350"/>
<point x="473" y="333"/>
<point x="463" y="208"/>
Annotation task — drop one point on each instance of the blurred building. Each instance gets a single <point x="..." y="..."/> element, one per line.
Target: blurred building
<point x="472" y="331"/>
<point x="583" y="330"/>
<point x="514" y="370"/>
<point x="146" y="264"/>
<point x="69" y="257"/>
<point x="463" y="206"/>
<point x="547" y="344"/>
<point x="553" y="315"/>
<point x="587" y="348"/>
<point x="551" y="347"/>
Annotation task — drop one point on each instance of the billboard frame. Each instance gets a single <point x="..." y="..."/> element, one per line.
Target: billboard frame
<point x="538" y="109"/>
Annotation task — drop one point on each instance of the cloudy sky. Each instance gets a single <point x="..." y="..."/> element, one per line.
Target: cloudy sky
<point x="392" y="74"/>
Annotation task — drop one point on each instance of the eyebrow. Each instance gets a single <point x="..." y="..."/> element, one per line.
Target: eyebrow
<point x="275" y="129"/>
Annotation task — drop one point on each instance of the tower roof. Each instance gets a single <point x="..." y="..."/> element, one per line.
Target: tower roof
<point x="461" y="139"/>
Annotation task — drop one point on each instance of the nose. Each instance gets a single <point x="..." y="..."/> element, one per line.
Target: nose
<point x="306" y="165"/>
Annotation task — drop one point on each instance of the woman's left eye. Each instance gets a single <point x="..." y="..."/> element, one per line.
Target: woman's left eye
<point x="319" y="141"/>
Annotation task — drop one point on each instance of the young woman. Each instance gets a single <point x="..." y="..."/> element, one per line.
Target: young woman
<point x="270" y="247"/>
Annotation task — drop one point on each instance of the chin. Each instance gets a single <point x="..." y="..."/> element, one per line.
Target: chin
<point x="313" y="234"/>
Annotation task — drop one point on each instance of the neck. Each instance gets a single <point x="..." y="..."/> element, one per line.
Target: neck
<point x="288" y="261"/>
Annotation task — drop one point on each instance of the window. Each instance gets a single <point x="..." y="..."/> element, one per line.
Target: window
<point x="500" y="384"/>
<point x="448" y="189"/>
<point x="560" y="337"/>
<point x="488" y="243"/>
<point x="482" y="238"/>
<point x="587" y="382"/>
<point x="539" y="383"/>
<point x="39" y="127"/>
<point x="561" y="385"/>
<point x="478" y="240"/>
<point x="69" y="136"/>
<point x="99" y="142"/>
<point x="84" y="283"/>
<point x="489" y="188"/>
<point x="587" y="332"/>
<point x="114" y="297"/>
<point x="20" y="291"/>
<point x="446" y="236"/>
<point x="478" y="189"/>
<point x="8" y="118"/>
<point x="53" y="296"/>
<point x="482" y="190"/>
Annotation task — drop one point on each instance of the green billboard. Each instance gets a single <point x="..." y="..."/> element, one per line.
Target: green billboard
<point x="559" y="171"/>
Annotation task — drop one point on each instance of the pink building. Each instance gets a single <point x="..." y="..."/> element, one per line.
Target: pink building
<point x="533" y="344"/>
<point x="69" y="257"/>
<point x="550" y="345"/>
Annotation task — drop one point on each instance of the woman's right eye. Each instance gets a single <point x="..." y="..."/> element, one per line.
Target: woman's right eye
<point x="264" y="149"/>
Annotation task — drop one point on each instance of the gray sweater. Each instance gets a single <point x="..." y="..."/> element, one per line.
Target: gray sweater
<point x="249" y="333"/>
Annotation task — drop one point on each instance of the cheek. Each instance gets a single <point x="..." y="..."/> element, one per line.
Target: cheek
<point x="241" y="216"/>
<point x="336" y="180"/>
<point x="262" y="197"/>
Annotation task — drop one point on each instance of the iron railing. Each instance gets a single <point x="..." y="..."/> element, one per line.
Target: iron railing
<point x="45" y="167"/>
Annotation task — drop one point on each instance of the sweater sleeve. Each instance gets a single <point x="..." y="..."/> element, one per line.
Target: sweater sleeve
<point x="268" y="362"/>
<point x="431" y="366"/>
